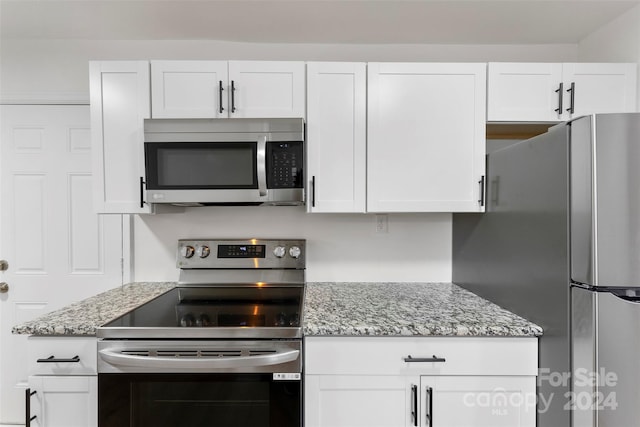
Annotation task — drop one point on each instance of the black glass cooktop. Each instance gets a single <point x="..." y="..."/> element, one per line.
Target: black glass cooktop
<point x="215" y="307"/>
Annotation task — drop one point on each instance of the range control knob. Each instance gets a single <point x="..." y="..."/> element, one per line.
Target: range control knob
<point x="279" y="251"/>
<point x="187" y="251"/>
<point x="294" y="252"/>
<point x="203" y="251"/>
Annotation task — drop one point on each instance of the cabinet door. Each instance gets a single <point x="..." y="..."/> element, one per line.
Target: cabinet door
<point x="189" y="89"/>
<point x="267" y="89"/>
<point x="524" y="92"/>
<point x="426" y="137"/>
<point x="336" y="135"/>
<point x="358" y="401"/>
<point x="119" y="104"/>
<point x="64" y="401"/>
<point x="478" y="401"/>
<point x="600" y="88"/>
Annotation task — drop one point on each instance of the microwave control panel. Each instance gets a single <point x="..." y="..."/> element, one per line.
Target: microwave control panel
<point x="285" y="165"/>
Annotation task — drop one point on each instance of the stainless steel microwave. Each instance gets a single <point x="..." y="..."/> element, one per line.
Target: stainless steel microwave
<point x="201" y="162"/>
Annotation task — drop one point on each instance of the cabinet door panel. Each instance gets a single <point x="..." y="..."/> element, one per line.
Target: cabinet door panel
<point x="601" y="88"/>
<point x="64" y="401"/>
<point x="267" y="89"/>
<point x="357" y="401"/>
<point x="426" y="137"/>
<point x="188" y="89"/>
<point x="523" y="92"/>
<point x="478" y="401"/>
<point x="336" y="133"/>
<point x="119" y="105"/>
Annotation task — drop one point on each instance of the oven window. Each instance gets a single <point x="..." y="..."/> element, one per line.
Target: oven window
<point x="194" y="400"/>
<point x="193" y="165"/>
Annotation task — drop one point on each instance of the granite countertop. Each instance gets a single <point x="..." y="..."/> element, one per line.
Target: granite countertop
<point x="338" y="308"/>
<point x="406" y="309"/>
<point x="83" y="317"/>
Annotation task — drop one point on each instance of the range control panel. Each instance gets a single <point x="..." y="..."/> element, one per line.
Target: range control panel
<point x="250" y="253"/>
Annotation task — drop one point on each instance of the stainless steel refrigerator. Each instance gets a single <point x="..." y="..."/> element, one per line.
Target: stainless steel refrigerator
<point x="559" y="244"/>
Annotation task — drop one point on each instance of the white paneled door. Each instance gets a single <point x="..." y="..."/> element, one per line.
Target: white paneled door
<point x="57" y="248"/>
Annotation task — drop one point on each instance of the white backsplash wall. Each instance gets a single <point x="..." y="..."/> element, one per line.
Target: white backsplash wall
<point x="340" y="247"/>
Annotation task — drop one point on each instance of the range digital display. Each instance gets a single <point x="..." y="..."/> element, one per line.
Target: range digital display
<point x="241" y="251"/>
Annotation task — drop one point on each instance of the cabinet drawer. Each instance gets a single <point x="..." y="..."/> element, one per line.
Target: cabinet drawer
<point x="386" y="356"/>
<point x="61" y="351"/>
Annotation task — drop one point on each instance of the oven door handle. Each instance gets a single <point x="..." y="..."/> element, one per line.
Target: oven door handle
<point x="115" y="357"/>
<point x="261" y="156"/>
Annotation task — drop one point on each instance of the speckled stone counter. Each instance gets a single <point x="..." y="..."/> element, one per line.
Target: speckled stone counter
<point x="83" y="317"/>
<point x="350" y="309"/>
<point x="406" y="309"/>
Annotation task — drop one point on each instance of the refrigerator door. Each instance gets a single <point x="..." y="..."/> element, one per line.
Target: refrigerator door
<point x="605" y="344"/>
<point x="605" y="200"/>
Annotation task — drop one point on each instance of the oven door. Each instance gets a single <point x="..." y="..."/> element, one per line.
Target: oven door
<point x="191" y="383"/>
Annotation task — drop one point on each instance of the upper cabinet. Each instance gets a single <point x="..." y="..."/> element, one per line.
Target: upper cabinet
<point x="549" y="92"/>
<point x="119" y="104"/>
<point x="426" y="137"/>
<point x="336" y="136"/>
<point x="216" y="89"/>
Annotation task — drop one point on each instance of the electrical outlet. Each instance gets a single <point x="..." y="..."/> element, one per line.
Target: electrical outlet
<point x="382" y="223"/>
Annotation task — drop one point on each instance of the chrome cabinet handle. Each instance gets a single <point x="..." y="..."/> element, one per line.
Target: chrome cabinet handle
<point x="27" y="406"/>
<point x="52" y="359"/>
<point x="200" y="363"/>
<point x="4" y="265"/>
<point x="572" y="90"/>
<point x="313" y="191"/>
<point x="262" y="166"/>
<point x="4" y="287"/>
<point x="435" y="358"/>
<point x="414" y="405"/>
<point x="560" y="92"/>
<point x="220" y="96"/>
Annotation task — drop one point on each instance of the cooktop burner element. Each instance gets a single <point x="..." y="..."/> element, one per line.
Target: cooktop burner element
<point x="227" y="289"/>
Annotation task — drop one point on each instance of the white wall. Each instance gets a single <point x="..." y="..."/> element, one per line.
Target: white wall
<point x="42" y="69"/>
<point x="618" y="41"/>
<point x="340" y="247"/>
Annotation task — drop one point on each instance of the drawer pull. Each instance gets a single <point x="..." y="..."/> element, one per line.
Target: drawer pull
<point x="424" y="359"/>
<point x="52" y="359"/>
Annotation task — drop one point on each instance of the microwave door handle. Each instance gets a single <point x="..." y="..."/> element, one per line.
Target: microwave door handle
<point x="262" y="165"/>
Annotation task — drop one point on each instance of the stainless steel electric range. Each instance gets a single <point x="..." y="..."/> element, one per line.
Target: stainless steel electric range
<point x="223" y="348"/>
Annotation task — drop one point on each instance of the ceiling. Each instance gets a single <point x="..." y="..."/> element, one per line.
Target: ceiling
<point x="312" y="21"/>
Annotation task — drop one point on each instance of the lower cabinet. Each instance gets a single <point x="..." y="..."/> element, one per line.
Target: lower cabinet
<point x="63" y="382"/>
<point x="63" y="401"/>
<point x="447" y="382"/>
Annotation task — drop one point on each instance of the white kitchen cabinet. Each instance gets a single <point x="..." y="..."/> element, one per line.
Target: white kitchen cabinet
<point x="487" y="401"/>
<point x="215" y="89"/>
<point x="189" y="89"/>
<point x="120" y="101"/>
<point x="357" y="401"/>
<point x="63" y="382"/>
<point x="336" y="136"/>
<point x="426" y="137"/>
<point x="365" y="381"/>
<point x="600" y="88"/>
<point x="550" y="92"/>
<point x="64" y="401"/>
